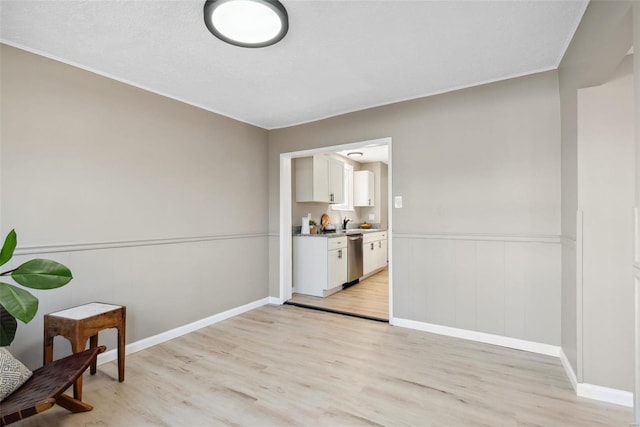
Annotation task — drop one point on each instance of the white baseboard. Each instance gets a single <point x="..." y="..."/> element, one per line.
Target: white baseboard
<point x="518" y="344"/>
<point x="595" y="392"/>
<point x="275" y="301"/>
<point x="605" y="394"/>
<point x="134" y="347"/>
<point x="569" y="370"/>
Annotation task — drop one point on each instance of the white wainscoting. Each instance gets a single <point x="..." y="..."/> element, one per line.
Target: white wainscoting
<point x="570" y="307"/>
<point x="636" y="283"/>
<point x="165" y="283"/>
<point x="503" y="285"/>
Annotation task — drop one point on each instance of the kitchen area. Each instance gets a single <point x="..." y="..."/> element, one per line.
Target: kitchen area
<point x="340" y="218"/>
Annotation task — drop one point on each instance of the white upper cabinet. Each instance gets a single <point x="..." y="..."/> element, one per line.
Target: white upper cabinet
<point x="363" y="188"/>
<point x="336" y="181"/>
<point x="319" y="178"/>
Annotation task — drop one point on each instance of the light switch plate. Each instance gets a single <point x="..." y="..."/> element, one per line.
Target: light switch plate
<point x="397" y="202"/>
<point x="372" y="217"/>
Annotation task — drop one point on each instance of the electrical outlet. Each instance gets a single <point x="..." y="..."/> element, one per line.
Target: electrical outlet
<point x="372" y="217"/>
<point x="397" y="202"/>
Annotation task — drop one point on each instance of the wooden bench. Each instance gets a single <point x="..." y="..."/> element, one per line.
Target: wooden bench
<point x="46" y="387"/>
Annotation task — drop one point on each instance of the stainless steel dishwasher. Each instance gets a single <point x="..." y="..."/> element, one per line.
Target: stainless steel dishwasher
<point x="354" y="257"/>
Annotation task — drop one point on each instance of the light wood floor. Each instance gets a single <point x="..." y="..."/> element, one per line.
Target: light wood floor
<point x="367" y="298"/>
<point x="284" y="365"/>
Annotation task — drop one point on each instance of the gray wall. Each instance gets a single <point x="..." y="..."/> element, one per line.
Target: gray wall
<point x="476" y="245"/>
<point x="636" y="269"/>
<point x="89" y="165"/>
<point x="601" y="40"/>
<point x="606" y="198"/>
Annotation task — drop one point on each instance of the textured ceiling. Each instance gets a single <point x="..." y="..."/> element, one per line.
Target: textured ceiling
<point x="338" y="56"/>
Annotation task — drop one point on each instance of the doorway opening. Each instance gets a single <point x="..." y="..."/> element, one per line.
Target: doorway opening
<point x="367" y="294"/>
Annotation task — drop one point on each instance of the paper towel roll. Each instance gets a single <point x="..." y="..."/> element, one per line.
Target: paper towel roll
<point x="305" y="225"/>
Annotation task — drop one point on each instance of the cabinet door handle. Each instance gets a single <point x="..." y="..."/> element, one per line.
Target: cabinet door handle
<point x="339" y="253"/>
<point x="371" y="245"/>
<point x="369" y="202"/>
<point x="331" y="197"/>
<point x="380" y="244"/>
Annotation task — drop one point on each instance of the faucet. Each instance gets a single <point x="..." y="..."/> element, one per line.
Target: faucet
<point x="344" y="222"/>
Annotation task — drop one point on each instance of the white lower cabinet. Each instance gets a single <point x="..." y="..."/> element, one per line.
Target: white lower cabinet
<point x="337" y="260"/>
<point x="319" y="264"/>
<point x="374" y="252"/>
<point x="383" y="257"/>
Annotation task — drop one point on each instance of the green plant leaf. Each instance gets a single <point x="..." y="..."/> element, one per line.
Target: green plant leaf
<point x="42" y="274"/>
<point x="18" y="302"/>
<point x="8" y="247"/>
<point x="8" y="327"/>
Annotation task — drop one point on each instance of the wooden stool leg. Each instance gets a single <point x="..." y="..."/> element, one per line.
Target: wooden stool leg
<point x="47" y="356"/>
<point x="93" y="342"/>
<point x="76" y="347"/>
<point x="121" y="351"/>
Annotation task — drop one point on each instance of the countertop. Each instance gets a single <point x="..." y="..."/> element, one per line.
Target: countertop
<point x="341" y="233"/>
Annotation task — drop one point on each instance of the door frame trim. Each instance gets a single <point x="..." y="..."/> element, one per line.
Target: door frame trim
<point x="286" y="242"/>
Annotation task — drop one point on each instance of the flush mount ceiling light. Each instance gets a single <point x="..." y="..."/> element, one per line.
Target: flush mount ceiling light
<point x="354" y="154"/>
<point x="247" y="23"/>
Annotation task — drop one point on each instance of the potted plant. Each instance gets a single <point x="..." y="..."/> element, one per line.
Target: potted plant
<point x="312" y="227"/>
<point x="16" y="302"/>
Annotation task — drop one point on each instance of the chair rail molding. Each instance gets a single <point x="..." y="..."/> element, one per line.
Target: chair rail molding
<point x="88" y="246"/>
<point x="568" y="241"/>
<point x="532" y="238"/>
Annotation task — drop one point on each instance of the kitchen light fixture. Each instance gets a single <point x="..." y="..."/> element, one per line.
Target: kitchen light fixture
<point x="247" y="23"/>
<point x="354" y="154"/>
